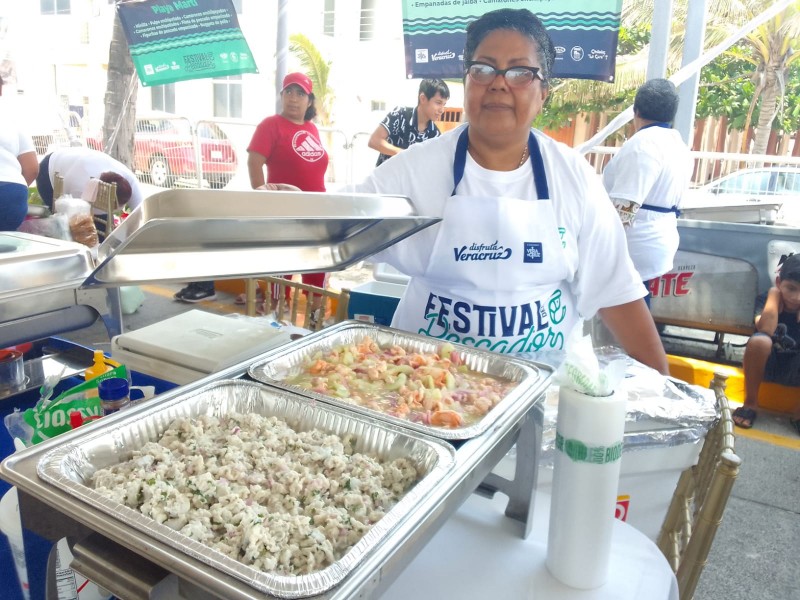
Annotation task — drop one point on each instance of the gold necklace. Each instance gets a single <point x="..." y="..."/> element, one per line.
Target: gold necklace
<point x="524" y="156"/>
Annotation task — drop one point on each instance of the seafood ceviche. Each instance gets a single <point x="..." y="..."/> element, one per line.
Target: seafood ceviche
<point x="434" y="388"/>
<point x="258" y="491"/>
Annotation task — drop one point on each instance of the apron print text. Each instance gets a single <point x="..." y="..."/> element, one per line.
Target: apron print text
<point x="525" y="328"/>
<point x="476" y="251"/>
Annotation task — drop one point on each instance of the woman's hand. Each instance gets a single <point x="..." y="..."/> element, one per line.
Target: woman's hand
<point x="279" y="187"/>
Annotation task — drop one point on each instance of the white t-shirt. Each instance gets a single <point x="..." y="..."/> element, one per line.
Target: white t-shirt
<point x="13" y="143"/>
<point x="653" y="167"/>
<point x="601" y="273"/>
<point x="78" y="165"/>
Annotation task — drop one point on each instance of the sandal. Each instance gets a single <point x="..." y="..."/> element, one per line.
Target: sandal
<point x="796" y="424"/>
<point x="242" y="298"/>
<point x="747" y="417"/>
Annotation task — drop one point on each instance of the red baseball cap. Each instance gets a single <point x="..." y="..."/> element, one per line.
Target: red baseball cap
<point x="297" y="79"/>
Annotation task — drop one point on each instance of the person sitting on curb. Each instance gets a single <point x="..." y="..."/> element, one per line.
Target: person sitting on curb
<point x="771" y="353"/>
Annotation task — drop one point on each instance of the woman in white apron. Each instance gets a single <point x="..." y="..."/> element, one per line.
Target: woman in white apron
<point x="529" y="242"/>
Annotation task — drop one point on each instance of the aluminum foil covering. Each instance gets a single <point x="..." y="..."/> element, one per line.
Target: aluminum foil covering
<point x="286" y="361"/>
<point x="662" y="411"/>
<point x="70" y="467"/>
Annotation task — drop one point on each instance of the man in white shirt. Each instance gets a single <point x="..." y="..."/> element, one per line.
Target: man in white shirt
<point x="647" y="179"/>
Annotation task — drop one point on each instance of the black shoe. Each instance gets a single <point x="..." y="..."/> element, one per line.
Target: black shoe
<point x="195" y="293"/>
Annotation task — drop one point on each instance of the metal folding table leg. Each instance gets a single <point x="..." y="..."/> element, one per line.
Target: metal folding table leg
<point x="521" y="491"/>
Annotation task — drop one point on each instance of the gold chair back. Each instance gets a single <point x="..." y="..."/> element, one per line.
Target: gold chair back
<point x="106" y="201"/>
<point x="699" y="501"/>
<point x="58" y="186"/>
<point x="299" y="310"/>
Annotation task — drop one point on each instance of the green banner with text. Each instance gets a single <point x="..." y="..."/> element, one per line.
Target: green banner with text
<point x="177" y="40"/>
<point x="584" y="33"/>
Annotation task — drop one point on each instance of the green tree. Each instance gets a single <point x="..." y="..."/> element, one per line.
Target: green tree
<point x="770" y="50"/>
<point x="747" y="84"/>
<point x="317" y="69"/>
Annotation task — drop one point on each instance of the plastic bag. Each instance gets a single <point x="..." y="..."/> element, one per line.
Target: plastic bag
<point x="56" y="227"/>
<point x="79" y="217"/>
<point x="131" y="298"/>
<point x="83" y="230"/>
<point x="581" y="371"/>
<point x="49" y="419"/>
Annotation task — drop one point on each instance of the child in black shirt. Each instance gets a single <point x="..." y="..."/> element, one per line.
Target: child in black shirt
<point x="773" y="351"/>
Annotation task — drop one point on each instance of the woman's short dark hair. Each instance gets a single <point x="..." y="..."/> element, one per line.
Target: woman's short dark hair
<point x="431" y="87"/>
<point x="521" y="20"/>
<point x="124" y="190"/>
<point x="311" y="111"/>
<point x="656" y="100"/>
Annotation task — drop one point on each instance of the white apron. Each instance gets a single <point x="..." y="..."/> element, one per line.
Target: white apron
<point x="496" y="275"/>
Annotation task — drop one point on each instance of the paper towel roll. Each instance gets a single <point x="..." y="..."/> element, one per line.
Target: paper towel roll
<point x="589" y="436"/>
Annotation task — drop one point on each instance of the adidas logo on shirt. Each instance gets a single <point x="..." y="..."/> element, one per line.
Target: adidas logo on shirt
<point x="307" y="146"/>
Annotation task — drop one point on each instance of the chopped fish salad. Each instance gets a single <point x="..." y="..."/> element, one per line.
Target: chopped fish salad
<point x="258" y="491"/>
<point x="433" y="388"/>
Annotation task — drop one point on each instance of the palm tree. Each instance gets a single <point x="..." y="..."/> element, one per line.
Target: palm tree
<point x="773" y="47"/>
<point x="317" y="69"/>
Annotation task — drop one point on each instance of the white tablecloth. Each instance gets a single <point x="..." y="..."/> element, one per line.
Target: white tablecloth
<point x="479" y="553"/>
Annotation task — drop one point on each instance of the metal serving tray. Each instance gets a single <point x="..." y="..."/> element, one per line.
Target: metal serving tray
<point x="32" y="263"/>
<point x="283" y="362"/>
<point x="70" y="466"/>
<point x="177" y="235"/>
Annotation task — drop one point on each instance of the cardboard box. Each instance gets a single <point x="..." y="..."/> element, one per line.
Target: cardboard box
<point x="374" y="302"/>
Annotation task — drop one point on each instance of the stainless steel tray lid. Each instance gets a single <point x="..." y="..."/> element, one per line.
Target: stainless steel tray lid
<point x="200" y="234"/>
<point x="31" y="262"/>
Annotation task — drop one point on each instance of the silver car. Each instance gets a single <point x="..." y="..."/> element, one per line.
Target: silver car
<point x="755" y="195"/>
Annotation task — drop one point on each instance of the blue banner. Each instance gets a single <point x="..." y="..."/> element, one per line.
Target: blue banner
<point x="584" y="33"/>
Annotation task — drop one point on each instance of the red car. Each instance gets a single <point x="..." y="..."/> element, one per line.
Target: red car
<point x="164" y="151"/>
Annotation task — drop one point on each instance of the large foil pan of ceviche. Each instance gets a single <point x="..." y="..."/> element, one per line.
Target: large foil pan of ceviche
<point x="281" y="494"/>
<point x="453" y="392"/>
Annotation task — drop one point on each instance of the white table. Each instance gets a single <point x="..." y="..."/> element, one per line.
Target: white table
<point x="478" y="553"/>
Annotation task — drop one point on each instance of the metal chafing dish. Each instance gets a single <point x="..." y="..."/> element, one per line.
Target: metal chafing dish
<point x="278" y="364"/>
<point x="71" y="466"/>
<point x="202" y="234"/>
<point x="132" y="564"/>
<point x="193" y="235"/>
<point x="50" y="286"/>
<point x="40" y="289"/>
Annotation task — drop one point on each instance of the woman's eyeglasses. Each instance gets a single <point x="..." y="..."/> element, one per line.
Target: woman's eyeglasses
<point x="484" y="74"/>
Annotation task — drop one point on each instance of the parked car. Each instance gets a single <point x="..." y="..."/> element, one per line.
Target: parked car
<point x="164" y="151"/>
<point x="755" y="195"/>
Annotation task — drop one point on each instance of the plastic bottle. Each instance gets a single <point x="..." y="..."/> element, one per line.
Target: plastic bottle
<point x="114" y="394"/>
<point x="98" y="368"/>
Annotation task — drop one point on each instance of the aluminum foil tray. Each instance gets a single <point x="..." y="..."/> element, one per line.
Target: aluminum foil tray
<point x="280" y="364"/>
<point x="178" y="235"/>
<point x="70" y="466"/>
